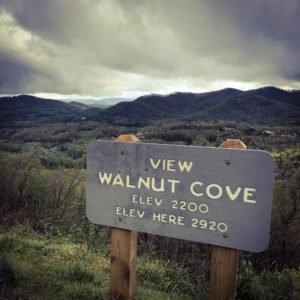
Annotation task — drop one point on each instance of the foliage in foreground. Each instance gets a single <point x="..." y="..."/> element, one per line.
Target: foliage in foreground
<point x="44" y="267"/>
<point x="42" y="183"/>
<point x="56" y="268"/>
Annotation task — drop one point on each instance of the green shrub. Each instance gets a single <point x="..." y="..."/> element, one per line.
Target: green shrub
<point x="7" y="243"/>
<point x="249" y="286"/>
<point x="284" y="285"/>
<point x="80" y="273"/>
<point x="269" y="285"/>
<point x="82" y="292"/>
<point x="8" y="274"/>
<point x="168" y="277"/>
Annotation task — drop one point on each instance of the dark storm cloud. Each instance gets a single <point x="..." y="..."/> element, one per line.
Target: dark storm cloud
<point x="15" y="74"/>
<point x="106" y="47"/>
<point x="272" y="23"/>
<point x="18" y="73"/>
<point x="271" y="19"/>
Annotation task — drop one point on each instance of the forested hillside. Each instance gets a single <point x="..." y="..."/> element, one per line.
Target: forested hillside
<point x="267" y="105"/>
<point x="33" y="109"/>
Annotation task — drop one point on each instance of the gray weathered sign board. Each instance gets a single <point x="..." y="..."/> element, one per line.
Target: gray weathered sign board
<point x="210" y="195"/>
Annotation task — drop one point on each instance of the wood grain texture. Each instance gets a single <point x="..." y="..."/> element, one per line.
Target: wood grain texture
<point x="224" y="261"/>
<point x="123" y="254"/>
<point x="123" y="264"/>
<point x="233" y="144"/>
<point x="127" y="138"/>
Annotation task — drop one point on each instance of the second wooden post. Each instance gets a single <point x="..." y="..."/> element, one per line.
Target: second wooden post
<point x="224" y="261"/>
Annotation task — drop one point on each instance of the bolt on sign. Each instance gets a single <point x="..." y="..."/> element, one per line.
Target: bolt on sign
<point x="216" y="196"/>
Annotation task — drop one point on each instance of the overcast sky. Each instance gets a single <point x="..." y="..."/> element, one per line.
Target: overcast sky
<point x="94" y="48"/>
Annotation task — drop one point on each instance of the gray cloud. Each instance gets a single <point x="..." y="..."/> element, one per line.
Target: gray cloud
<point x="91" y="47"/>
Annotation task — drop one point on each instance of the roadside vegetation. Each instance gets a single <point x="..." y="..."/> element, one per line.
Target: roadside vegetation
<point x="49" y="250"/>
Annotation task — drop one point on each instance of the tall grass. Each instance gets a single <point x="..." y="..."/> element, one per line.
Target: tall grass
<point x="43" y="266"/>
<point x="55" y="267"/>
<point x="8" y="274"/>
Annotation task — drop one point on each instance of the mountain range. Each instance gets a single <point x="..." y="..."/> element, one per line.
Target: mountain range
<point x="268" y="105"/>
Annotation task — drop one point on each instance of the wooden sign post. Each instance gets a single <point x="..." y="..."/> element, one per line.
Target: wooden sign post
<point x="224" y="261"/>
<point x="202" y="194"/>
<point x="123" y="254"/>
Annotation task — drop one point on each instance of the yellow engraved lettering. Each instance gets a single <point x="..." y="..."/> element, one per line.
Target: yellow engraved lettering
<point x="158" y="202"/>
<point x="156" y="216"/>
<point x="128" y="185"/>
<point x="149" y="200"/>
<point x="132" y="213"/>
<point x="118" y="181"/>
<point x="173" y="183"/>
<point x="233" y="195"/>
<point x="146" y="200"/>
<point x="219" y="192"/>
<point x="203" y="208"/>
<point x="248" y="192"/>
<point x="153" y="164"/>
<point x="143" y="182"/>
<point x="165" y="218"/>
<point x="180" y="220"/>
<point x="172" y="219"/>
<point x="170" y="165"/>
<point x="105" y="177"/>
<point x="140" y="214"/>
<point x="129" y="212"/>
<point x="192" y="188"/>
<point x="185" y="166"/>
<point x="118" y="210"/>
<point x="160" y="188"/>
<point x="134" y="198"/>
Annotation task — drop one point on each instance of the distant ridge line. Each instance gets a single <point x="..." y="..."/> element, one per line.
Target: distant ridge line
<point x="267" y="105"/>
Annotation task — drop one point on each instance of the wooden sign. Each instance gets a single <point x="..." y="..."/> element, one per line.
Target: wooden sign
<point x="210" y="195"/>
